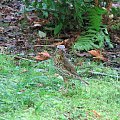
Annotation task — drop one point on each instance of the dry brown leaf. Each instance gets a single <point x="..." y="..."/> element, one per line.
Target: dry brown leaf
<point x="66" y="42"/>
<point x="94" y="52"/>
<point x="40" y="22"/>
<point x="42" y="56"/>
<point x="97" y="115"/>
<point x="61" y="43"/>
<point x="98" y="55"/>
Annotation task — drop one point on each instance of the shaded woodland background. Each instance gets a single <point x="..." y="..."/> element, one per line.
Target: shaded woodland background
<point x="28" y="27"/>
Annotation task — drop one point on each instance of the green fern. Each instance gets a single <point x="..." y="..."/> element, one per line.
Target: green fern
<point x="83" y="44"/>
<point x="79" y="11"/>
<point x="95" y="17"/>
<point x="95" y="36"/>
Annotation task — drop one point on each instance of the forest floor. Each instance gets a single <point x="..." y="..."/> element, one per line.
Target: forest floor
<point x="31" y="90"/>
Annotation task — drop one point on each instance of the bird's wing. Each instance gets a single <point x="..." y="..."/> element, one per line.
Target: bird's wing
<point x="71" y="69"/>
<point x="69" y="66"/>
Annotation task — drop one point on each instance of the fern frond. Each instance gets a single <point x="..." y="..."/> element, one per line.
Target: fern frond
<point x="94" y="37"/>
<point x="79" y="11"/>
<point x="82" y="44"/>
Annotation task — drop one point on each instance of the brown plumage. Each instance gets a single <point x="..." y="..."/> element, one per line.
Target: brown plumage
<point x="63" y="66"/>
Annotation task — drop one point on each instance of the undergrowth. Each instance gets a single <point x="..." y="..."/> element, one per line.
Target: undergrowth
<point x="69" y="15"/>
<point x="96" y="34"/>
<point x="32" y="91"/>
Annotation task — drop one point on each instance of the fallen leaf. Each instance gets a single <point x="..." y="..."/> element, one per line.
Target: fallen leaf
<point x="97" y="115"/>
<point x="42" y="56"/>
<point x="66" y="42"/>
<point x="61" y="43"/>
<point x="94" y="52"/>
<point x="41" y="22"/>
<point x="98" y="55"/>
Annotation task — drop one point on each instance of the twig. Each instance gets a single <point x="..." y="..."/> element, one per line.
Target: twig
<point x="52" y="40"/>
<point x="98" y="73"/>
<point x="44" y="45"/>
<point x="18" y="58"/>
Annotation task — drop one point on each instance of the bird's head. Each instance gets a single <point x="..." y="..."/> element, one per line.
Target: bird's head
<point x="60" y="49"/>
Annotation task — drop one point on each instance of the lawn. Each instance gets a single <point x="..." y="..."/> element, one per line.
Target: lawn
<point x="32" y="91"/>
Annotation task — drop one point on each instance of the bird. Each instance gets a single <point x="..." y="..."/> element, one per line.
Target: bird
<point x="64" y="67"/>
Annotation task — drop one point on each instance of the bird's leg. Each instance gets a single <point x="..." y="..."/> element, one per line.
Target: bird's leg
<point x="73" y="86"/>
<point x="64" y="89"/>
<point x="66" y="84"/>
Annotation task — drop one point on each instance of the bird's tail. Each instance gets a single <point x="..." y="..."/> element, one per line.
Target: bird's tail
<point x="79" y="78"/>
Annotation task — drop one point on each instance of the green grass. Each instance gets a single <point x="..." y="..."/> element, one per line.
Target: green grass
<point x="31" y="91"/>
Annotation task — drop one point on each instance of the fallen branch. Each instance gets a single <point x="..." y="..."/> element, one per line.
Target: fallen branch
<point x="98" y="73"/>
<point x="44" y="45"/>
<point x="21" y="58"/>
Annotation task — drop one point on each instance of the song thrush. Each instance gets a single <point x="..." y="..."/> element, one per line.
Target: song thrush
<point x="64" y="67"/>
